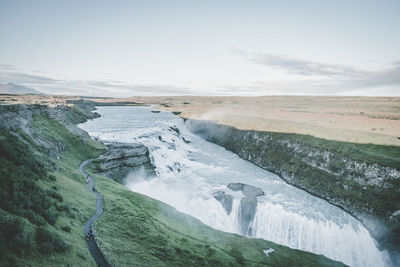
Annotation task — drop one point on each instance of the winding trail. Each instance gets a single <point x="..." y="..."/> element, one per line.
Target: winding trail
<point x="93" y="248"/>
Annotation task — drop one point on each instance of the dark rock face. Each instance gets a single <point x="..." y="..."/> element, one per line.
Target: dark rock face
<point x="225" y="199"/>
<point x="120" y="159"/>
<point x="248" y="204"/>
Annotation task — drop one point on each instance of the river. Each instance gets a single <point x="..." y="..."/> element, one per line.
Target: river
<point x="189" y="170"/>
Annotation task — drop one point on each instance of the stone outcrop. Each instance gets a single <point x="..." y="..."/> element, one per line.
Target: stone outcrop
<point x="225" y="200"/>
<point x="119" y="159"/>
<point x="248" y="204"/>
<point x="122" y="158"/>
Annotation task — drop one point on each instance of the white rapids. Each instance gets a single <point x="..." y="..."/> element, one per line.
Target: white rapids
<point x="189" y="170"/>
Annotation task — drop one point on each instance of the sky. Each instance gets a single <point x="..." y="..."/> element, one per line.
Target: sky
<point x="126" y="48"/>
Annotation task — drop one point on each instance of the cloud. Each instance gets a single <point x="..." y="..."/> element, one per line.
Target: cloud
<point x="89" y="87"/>
<point x="7" y="67"/>
<point x="306" y="87"/>
<point x="315" y="79"/>
<point x="327" y="73"/>
<point x="19" y="77"/>
<point x="304" y="67"/>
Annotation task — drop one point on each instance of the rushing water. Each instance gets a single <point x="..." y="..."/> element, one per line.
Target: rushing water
<point x="190" y="169"/>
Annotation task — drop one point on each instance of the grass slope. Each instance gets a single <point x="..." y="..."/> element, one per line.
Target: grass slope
<point x="136" y="230"/>
<point x="47" y="231"/>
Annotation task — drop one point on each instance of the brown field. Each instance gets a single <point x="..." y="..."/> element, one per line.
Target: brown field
<point x="373" y="120"/>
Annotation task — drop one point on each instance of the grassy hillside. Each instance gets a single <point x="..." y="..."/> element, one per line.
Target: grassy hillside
<point x="43" y="200"/>
<point x="140" y="231"/>
<point x="44" y="203"/>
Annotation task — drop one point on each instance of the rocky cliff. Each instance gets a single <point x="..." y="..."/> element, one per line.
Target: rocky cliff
<point x="119" y="159"/>
<point x="123" y="158"/>
<point x="362" y="179"/>
<point x="23" y="119"/>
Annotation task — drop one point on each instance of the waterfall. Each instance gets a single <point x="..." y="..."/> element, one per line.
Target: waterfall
<point x="350" y="243"/>
<point x="190" y="171"/>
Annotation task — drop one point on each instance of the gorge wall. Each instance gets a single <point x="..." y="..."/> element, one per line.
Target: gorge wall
<point x="362" y="179"/>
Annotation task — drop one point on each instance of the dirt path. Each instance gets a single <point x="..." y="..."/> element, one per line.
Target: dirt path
<point x="93" y="248"/>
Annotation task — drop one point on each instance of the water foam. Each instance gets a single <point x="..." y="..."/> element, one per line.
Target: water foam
<point x="189" y="173"/>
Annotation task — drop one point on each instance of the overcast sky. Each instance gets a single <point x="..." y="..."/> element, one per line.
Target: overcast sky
<point x="126" y="48"/>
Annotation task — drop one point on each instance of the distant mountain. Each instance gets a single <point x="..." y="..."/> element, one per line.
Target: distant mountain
<point x="11" y="88"/>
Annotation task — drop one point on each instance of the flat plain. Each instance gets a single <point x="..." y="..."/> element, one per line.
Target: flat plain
<point x="369" y="120"/>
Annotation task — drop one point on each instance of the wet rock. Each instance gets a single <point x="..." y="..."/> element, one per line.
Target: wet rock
<point x="175" y="129"/>
<point x="186" y="141"/>
<point x="178" y="133"/>
<point x="235" y="186"/>
<point x="248" y="190"/>
<point x="248" y="204"/>
<point x="225" y="199"/>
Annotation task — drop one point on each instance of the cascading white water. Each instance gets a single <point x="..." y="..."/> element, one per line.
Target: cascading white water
<point x="189" y="170"/>
<point x="272" y="220"/>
